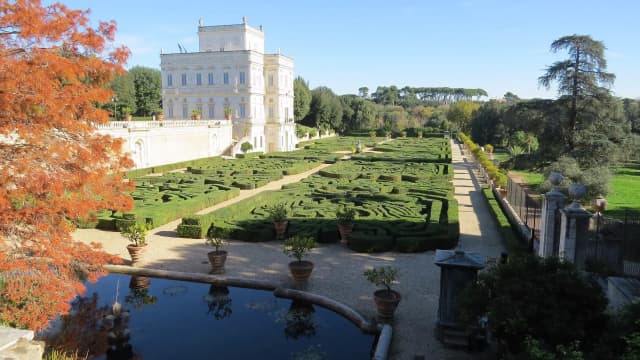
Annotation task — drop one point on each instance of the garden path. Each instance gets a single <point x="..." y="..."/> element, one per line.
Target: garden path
<point x="338" y="272"/>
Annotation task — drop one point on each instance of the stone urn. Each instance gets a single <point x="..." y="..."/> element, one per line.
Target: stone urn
<point x="301" y="270"/>
<point x="217" y="258"/>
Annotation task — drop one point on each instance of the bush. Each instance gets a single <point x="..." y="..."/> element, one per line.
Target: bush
<point x="512" y="241"/>
<point x="246" y="146"/>
<point x="595" y="179"/>
<point x="545" y="299"/>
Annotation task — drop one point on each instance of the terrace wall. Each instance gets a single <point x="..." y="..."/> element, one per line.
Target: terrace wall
<point x="153" y="143"/>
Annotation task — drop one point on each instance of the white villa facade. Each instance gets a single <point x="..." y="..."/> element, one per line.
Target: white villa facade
<point x="231" y="70"/>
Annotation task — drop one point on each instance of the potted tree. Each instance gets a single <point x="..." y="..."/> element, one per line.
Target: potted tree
<point x="297" y="247"/>
<point x="245" y="146"/>
<point x="386" y="299"/>
<point x="136" y="234"/>
<point x="227" y="113"/>
<point x="345" y="217"/>
<point x="126" y="111"/>
<point x="159" y="114"/>
<point x="196" y="114"/>
<point x="217" y="257"/>
<point x="278" y="214"/>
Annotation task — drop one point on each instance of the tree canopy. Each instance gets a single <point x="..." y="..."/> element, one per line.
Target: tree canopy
<point x="148" y="89"/>
<point x="54" y="169"/>
<point x="301" y="98"/>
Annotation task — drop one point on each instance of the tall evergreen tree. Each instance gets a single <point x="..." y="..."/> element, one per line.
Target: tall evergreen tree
<point x="581" y="76"/>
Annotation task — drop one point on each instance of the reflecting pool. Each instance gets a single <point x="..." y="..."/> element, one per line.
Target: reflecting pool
<point x="169" y="319"/>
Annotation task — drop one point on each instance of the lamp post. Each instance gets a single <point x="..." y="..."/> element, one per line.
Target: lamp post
<point x="115" y="104"/>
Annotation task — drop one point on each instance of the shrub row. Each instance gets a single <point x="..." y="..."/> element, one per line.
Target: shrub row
<point x="509" y="237"/>
<point x="497" y="175"/>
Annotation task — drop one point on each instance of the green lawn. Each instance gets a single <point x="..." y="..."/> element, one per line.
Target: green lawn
<point x="625" y="189"/>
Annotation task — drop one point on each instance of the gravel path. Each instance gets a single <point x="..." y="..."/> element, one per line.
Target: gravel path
<point x="338" y="271"/>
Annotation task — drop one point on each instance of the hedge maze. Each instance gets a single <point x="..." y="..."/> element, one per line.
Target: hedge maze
<point x="161" y="199"/>
<point x="403" y="198"/>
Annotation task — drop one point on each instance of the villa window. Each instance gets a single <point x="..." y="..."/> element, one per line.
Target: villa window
<point x="170" y="111"/>
<point x="286" y="114"/>
<point x="226" y="78"/>
<point x="185" y="112"/>
<point x="242" y="77"/>
<point x="169" y="80"/>
<point x="270" y="80"/>
<point x="212" y="111"/>
<point x="271" y="111"/>
<point x="243" y="111"/>
<point x="198" y="79"/>
<point x="261" y="141"/>
<point x="184" y="79"/>
<point x="210" y="78"/>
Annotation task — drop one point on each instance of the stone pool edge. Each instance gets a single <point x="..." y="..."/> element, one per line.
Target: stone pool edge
<point x="384" y="331"/>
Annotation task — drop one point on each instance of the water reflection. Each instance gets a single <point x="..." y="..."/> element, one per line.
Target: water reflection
<point x="299" y="320"/>
<point x="139" y="295"/>
<point x="219" y="302"/>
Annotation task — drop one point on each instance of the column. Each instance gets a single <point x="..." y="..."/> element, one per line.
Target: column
<point x="552" y="202"/>
<point x="574" y="229"/>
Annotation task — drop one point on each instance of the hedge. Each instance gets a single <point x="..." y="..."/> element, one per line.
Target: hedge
<point x="509" y="237"/>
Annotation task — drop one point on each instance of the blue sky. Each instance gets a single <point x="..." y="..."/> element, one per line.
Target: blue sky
<point x="496" y="45"/>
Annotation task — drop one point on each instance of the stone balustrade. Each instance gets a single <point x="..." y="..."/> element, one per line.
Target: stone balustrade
<point x="158" y="124"/>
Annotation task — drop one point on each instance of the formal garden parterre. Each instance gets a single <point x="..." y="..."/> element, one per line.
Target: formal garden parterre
<point x="403" y="201"/>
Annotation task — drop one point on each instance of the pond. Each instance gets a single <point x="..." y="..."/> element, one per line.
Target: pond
<point x="169" y="319"/>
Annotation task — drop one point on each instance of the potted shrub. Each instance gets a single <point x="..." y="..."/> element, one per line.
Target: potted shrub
<point x="159" y="114"/>
<point x="419" y="133"/>
<point x="278" y="214"/>
<point x="345" y="217"/>
<point x="127" y="113"/>
<point x="227" y="113"/>
<point x="136" y="234"/>
<point x="372" y="133"/>
<point x="488" y="148"/>
<point x="297" y="247"/>
<point x="386" y="299"/>
<point x="217" y="257"/>
<point x="196" y="114"/>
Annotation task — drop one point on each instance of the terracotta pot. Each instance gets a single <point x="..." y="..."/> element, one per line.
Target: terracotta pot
<point x="345" y="230"/>
<point x="281" y="228"/>
<point x="386" y="303"/>
<point x="503" y="193"/>
<point x="301" y="270"/>
<point x="136" y="253"/>
<point x="217" y="260"/>
<point x="128" y="117"/>
<point x="160" y="117"/>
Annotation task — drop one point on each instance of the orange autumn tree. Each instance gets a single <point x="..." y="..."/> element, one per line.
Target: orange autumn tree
<point x="54" y="71"/>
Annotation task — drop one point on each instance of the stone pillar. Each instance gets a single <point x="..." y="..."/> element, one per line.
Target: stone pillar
<point x="574" y="229"/>
<point x="552" y="202"/>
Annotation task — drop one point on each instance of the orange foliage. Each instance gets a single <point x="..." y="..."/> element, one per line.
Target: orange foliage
<point x="54" y="71"/>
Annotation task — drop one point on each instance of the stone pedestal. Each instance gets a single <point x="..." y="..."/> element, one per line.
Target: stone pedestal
<point x="552" y="202"/>
<point x="457" y="270"/>
<point x="574" y="234"/>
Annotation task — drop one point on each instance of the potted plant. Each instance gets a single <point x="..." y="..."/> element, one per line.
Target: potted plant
<point x="419" y="133"/>
<point x="345" y="217"/>
<point x="196" y="114"/>
<point x="372" y="133"/>
<point x="127" y="113"/>
<point x="297" y="247"/>
<point x="136" y="234"/>
<point x="219" y="302"/>
<point x="278" y="214"/>
<point x="159" y="114"/>
<point x="217" y="257"/>
<point x="386" y="299"/>
<point x="227" y="113"/>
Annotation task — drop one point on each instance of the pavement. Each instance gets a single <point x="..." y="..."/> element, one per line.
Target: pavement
<point x="338" y="271"/>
